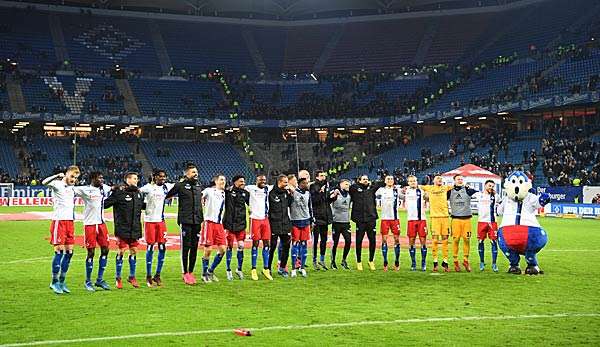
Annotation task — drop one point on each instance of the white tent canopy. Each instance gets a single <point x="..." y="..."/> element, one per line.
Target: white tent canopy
<point x="475" y="177"/>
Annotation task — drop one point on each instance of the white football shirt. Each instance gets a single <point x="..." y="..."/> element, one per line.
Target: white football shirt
<point x="93" y="197"/>
<point x="214" y="204"/>
<point x="388" y="199"/>
<point x="414" y="201"/>
<point x="259" y="201"/>
<point x="486" y="207"/>
<point x="63" y="200"/>
<point x="154" y="196"/>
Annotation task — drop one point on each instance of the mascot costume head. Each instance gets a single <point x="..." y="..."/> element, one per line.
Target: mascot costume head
<point x="520" y="233"/>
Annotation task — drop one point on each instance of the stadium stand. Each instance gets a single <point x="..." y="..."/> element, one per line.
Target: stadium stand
<point x="271" y="43"/>
<point x="24" y="37"/>
<point x="210" y="158"/>
<point x="8" y="161"/>
<point x="488" y="83"/>
<point x="369" y="69"/>
<point x="215" y="46"/>
<point x="532" y="33"/>
<point x="175" y="98"/>
<point x="303" y="47"/>
<point x="98" y="42"/>
<point x="76" y="95"/>
<point x="111" y="157"/>
<point x="4" y="104"/>
<point x="374" y="48"/>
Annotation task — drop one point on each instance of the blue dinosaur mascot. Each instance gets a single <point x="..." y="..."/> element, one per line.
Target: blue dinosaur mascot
<point x="520" y="233"/>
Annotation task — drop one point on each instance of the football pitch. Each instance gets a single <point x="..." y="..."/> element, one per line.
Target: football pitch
<point x="561" y="307"/>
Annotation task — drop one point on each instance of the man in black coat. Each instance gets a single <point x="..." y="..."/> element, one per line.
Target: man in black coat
<point x="234" y="222"/>
<point x="127" y="203"/>
<point x="364" y="214"/>
<point x="319" y="195"/>
<point x="280" y="200"/>
<point x="189" y="218"/>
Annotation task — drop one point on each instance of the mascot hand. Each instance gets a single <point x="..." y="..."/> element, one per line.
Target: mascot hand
<point x="544" y="199"/>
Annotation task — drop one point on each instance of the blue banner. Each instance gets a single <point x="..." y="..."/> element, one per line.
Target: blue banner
<point x="563" y="194"/>
<point x="224" y="120"/>
<point x="588" y="210"/>
<point x="25" y="191"/>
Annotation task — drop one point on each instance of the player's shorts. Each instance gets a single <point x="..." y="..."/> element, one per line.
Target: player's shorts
<point x="233" y="236"/>
<point x="440" y="226"/>
<point x="461" y="227"/>
<point x="62" y="232"/>
<point x="387" y="225"/>
<point x="213" y="234"/>
<point x="127" y="243"/>
<point x="485" y="229"/>
<point x="95" y="235"/>
<point x="416" y="227"/>
<point x="155" y="232"/>
<point x="260" y="229"/>
<point x="300" y="233"/>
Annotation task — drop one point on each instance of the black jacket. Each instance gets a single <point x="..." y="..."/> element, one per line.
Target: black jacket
<point x="127" y="207"/>
<point x="234" y="218"/>
<point x="320" y="203"/>
<point x="364" y="208"/>
<point x="189" y="207"/>
<point x="279" y="218"/>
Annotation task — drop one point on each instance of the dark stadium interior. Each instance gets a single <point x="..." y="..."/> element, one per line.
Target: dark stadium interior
<point x="299" y="173"/>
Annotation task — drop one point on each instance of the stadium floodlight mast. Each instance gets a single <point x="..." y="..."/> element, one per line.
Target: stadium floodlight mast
<point x="75" y="144"/>
<point x="297" y="152"/>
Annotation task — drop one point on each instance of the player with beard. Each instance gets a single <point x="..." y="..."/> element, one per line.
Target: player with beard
<point x="234" y="221"/>
<point x="189" y="218"/>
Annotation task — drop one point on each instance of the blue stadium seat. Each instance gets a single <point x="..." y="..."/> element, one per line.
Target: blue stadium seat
<point x="210" y="158"/>
<point x="8" y="159"/>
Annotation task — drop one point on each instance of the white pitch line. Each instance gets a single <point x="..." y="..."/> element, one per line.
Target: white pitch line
<point x="308" y="326"/>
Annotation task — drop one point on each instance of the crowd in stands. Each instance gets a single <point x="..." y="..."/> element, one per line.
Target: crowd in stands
<point x="571" y="157"/>
<point x="113" y="168"/>
<point x="463" y="146"/>
<point x="348" y="90"/>
<point x="2" y="90"/>
<point x="163" y="152"/>
<point x="536" y="82"/>
<point x="4" y="176"/>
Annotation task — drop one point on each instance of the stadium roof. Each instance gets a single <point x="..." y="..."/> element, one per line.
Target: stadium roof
<point x="280" y="9"/>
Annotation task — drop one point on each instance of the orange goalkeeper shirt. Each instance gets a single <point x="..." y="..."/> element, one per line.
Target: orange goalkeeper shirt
<point x="438" y="200"/>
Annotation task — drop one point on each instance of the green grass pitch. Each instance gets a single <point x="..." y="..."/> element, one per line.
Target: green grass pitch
<point x="561" y="307"/>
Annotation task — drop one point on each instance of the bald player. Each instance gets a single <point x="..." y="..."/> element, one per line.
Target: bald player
<point x="304" y="174"/>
